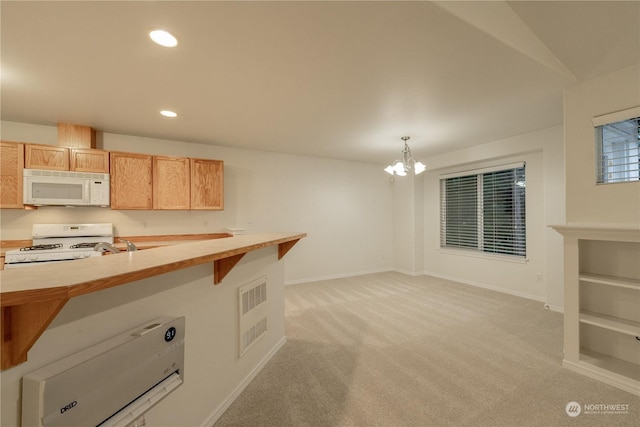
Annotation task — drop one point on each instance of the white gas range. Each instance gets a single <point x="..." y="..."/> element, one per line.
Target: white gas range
<point x="53" y="243"/>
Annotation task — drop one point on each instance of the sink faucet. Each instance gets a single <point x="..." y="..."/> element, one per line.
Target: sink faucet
<point x="130" y="245"/>
<point x="108" y="246"/>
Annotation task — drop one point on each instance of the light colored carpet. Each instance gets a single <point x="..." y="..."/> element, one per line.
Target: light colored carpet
<point x="393" y="350"/>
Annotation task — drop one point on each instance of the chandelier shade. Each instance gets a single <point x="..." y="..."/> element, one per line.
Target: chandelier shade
<point x="406" y="164"/>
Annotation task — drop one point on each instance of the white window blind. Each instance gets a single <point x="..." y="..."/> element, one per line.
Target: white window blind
<point x="485" y="212"/>
<point x="459" y="212"/>
<point x="617" y="151"/>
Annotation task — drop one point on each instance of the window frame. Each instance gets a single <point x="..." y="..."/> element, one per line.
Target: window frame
<point x="479" y="250"/>
<point x="599" y="122"/>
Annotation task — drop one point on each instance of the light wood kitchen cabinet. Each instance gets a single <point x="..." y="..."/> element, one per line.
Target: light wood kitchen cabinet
<point x="51" y="157"/>
<point x="76" y="136"/>
<point x="207" y="184"/>
<point x="131" y="181"/>
<point x="12" y="163"/>
<point x="47" y="157"/>
<point x="89" y="160"/>
<point x="171" y="183"/>
<point x="140" y="181"/>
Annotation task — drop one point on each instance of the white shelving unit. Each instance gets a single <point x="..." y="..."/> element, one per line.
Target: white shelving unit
<point x="611" y="323"/>
<point x="610" y="280"/>
<point x="602" y="302"/>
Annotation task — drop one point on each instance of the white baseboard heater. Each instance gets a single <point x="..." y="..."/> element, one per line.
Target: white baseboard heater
<point x="111" y="383"/>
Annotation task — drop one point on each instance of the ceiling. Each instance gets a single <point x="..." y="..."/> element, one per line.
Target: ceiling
<point x="333" y="79"/>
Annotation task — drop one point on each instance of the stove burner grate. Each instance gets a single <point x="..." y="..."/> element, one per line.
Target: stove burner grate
<point x="42" y="247"/>
<point x="83" y="245"/>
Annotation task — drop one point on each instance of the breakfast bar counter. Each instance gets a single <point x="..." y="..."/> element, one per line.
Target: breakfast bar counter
<point x="31" y="297"/>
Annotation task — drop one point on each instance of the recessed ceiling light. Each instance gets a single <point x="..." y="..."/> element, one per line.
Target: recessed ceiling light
<point x="169" y="113"/>
<point x="163" y="38"/>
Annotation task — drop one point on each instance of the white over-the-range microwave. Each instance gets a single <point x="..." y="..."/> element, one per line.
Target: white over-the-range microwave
<point x="62" y="188"/>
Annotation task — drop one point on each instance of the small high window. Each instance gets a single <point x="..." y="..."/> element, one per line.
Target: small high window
<point x="618" y="151"/>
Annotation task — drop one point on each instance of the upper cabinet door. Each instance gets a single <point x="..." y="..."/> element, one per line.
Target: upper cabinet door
<point x="46" y="157"/>
<point x="12" y="163"/>
<point x="131" y="181"/>
<point x="89" y="160"/>
<point x="207" y="184"/>
<point x="171" y="182"/>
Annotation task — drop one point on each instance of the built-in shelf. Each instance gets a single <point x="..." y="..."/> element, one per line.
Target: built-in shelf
<point x="624" y="326"/>
<point x="32" y="297"/>
<point x="602" y="302"/>
<point x="602" y="279"/>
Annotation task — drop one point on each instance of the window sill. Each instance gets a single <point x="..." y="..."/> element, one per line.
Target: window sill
<point x="484" y="255"/>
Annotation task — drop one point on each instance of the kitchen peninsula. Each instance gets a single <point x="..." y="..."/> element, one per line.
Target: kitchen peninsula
<point x="32" y="297"/>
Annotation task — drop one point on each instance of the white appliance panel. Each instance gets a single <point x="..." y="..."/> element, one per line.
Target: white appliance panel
<point x="113" y="382"/>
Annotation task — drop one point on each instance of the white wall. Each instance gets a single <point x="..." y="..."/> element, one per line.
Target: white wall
<point x="586" y="201"/>
<point x="345" y="207"/>
<point x="408" y="220"/>
<point x="542" y="152"/>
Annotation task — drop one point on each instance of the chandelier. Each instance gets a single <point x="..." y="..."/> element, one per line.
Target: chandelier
<point x="406" y="164"/>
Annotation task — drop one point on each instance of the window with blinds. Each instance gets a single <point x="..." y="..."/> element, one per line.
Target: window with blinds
<point x="617" y="151"/>
<point x="485" y="212"/>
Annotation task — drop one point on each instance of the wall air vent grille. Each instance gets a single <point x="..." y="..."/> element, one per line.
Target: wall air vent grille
<point x="64" y="174"/>
<point x="253" y="297"/>
<point x="253" y="311"/>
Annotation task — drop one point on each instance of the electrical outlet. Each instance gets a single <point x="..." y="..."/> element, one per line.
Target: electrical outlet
<point x="538" y="277"/>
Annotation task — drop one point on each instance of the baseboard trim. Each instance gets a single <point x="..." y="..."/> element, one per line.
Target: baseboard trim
<point x="217" y="413"/>
<point x="491" y="288"/>
<point x="408" y="273"/>
<point x="623" y="383"/>
<point x="336" y="276"/>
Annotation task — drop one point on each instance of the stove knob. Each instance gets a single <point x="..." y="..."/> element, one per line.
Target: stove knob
<point x="22" y="258"/>
<point x="32" y="257"/>
<point x="86" y="254"/>
<point x="77" y="255"/>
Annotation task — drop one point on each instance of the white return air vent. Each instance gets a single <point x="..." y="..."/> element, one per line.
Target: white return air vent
<point x="253" y="311"/>
<point x="109" y="384"/>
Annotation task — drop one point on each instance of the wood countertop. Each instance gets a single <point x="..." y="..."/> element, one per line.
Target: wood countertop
<point x="31" y="297"/>
<point x="69" y="279"/>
